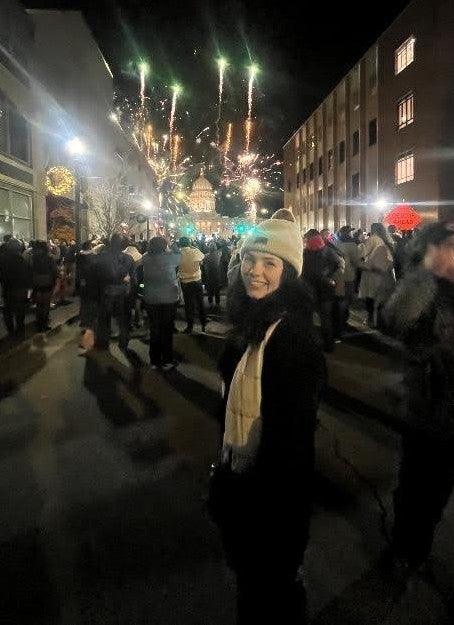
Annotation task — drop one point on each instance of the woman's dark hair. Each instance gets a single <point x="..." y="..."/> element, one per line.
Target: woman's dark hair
<point x="41" y="247"/>
<point x="157" y="245"/>
<point x="434" y="234"/>
<point x="251" y="318"/>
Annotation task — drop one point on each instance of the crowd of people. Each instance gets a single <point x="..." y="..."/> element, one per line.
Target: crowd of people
<point x="273" y="367"/>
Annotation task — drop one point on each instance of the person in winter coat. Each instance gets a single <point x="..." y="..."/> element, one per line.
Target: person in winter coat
<point x="85" y="262"/>
<point x="320" y="268"/>
<point x="421" y="313"/>
<point x="350" y="251"/>
<point x="15" y="278"/>
<point x="134" y="300"/>
<point x="44" y="278"/>
<point x="191" y="283"/>
<point x="116" y="278"/>
<point x="273" y="372"/>
<point x="377" y="277"/>
<point x="161" y="295"/>
<point x="212" y="265"/>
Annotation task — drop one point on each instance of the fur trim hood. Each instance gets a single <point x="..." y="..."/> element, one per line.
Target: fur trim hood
<point x="413" y="297"/>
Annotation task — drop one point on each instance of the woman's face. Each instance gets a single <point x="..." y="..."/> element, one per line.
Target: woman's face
<point x="440" y="259"/>
<point x="261" y="273"/>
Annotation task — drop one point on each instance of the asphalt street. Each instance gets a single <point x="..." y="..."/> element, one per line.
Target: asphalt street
<point x="103" y="479"/>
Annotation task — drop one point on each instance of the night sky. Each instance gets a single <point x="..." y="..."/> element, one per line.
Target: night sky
<point x="302" y="51"/>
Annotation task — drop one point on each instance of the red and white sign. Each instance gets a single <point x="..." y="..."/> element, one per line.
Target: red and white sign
<point x="404" y="217"/>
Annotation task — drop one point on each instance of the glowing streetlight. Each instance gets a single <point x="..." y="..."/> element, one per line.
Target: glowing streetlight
<point x="76" y="147"/>
<point x="381" y="204"/>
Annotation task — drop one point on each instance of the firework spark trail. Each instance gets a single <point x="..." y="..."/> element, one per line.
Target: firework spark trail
<point x="248" y="126"/>
<point x="228" y="140"/>
<point x="222" y="65"/>
<point x="176" y="91"/>
<point x="176" y="145"/>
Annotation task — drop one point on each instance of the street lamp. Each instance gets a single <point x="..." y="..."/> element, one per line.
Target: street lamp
<point x="76" y="148"/>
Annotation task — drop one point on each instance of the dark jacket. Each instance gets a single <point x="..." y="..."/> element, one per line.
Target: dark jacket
<point x="319" y="271"/>
<point x="275" y="497"/>
<point x="115" y="273"/>
<point x="44" y="271"/>
<point x="15" y="272"/>
<point x="421" y="314"/>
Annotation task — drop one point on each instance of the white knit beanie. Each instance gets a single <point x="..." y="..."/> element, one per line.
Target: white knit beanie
<point x="277" y="236"/>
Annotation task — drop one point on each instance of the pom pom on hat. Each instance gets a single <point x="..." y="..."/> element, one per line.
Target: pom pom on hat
<point x="278" y="236"/>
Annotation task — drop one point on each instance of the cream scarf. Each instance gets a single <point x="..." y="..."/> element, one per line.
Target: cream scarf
<point x="243" y="421"/>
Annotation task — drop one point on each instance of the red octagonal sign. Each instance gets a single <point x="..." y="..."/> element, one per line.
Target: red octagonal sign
<point x="403" y="217"/>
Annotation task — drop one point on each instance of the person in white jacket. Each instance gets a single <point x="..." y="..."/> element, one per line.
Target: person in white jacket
<point x="378" y="278"/>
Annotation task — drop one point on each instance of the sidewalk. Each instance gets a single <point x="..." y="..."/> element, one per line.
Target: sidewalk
<point x="58" y="316"/>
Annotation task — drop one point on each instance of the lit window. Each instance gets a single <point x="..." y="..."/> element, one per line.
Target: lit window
<point x="313" y="142"/>
<point x="406" y="111"/>
<point x="404" y="55"/>
<point x="405" y="168"/>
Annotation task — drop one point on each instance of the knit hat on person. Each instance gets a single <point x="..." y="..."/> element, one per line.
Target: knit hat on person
<point x="283" y="213"/>
<point x="278" y="236"/>
<point x="315" y="243"/>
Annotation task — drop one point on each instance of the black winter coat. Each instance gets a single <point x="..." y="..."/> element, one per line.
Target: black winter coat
<point x="421" y="314"/>
<point x="269" y="508"/>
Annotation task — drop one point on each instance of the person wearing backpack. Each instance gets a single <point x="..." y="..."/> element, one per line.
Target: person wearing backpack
<point x="115" y="275"/>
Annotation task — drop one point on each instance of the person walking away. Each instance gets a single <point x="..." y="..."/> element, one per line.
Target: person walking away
<point x="349" y="249"/>
<point x="377" y="277"/>
<point x="191" y="284"/>
<point x="339" y="292"/>
<point x="15" y="278"/>
<point x="134" y="301"/>
<point x="421" y="314"/>
<point x="88" y="311"/>
<point x="273" y="371"/>
<point x="319" y="271"/>
<point x="44" y="278"/>
<point x="161" y="295"/>
<point x="400" y="245"/>
<point x="212" y="264"/>
<point x="116" y="277"/>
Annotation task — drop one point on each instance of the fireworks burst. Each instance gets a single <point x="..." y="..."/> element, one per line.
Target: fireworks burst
<point x="252" y="173"/>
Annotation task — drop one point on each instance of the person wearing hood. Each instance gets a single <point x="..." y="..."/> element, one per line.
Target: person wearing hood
<point x="15" y="278"/>
<point x="421" y="314"/>
<point x="320" y="268"/>
<point x="116" y="279"/>
<point x="350" y="251"/>
<point x="377" y="278"/>
<point x="44" y="278"/>
<point x="212" y="265"/>
<point x="273" y="372"/>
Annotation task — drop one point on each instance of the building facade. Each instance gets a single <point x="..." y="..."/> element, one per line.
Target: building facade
<point x="18" y="163"/>
<point x="73" y="94"/>
<point x="385" y="134"/>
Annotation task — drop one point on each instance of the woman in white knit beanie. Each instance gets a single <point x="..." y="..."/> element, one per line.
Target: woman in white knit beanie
<point x="273" y="371"/>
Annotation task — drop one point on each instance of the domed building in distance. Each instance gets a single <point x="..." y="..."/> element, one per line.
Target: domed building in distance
<point x="202" y="217"/>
